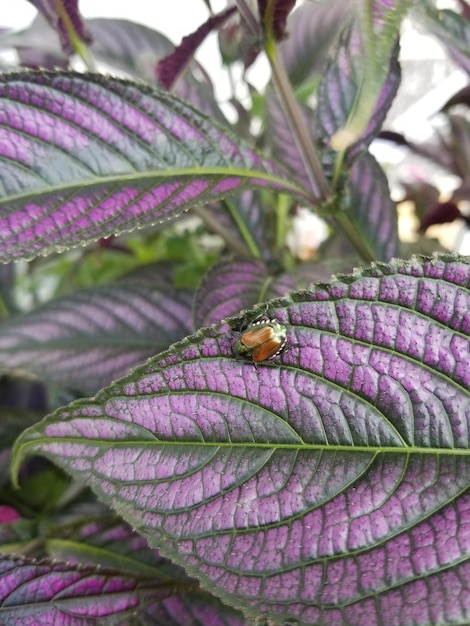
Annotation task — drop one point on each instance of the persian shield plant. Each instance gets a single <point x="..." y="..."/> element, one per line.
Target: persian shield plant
<point x="226" y="435"/>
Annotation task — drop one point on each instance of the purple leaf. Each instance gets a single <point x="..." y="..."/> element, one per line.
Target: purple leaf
<point x="65" y="18"/>
<point x="303" y="487"/>
<point x="171" y="67"/>
<point x="340" y="89"/>
<point x="230" y="287"/>
<point x="42" y="592"/>
<point x="369" y="204"/>
<point x="440" y="213"/>
<point x="437" y="151"/>
<point x="461" y="97"/>
<point x="312" y="30"/>
<point x="105" y="540"/>
<point x="192" y="608"/>
<point x="123" y="46"/>
<point x="275" y="19"/>
<point x="112" y="544"/>
<point x="130" y="47"/>
<point x="87" y="156"/>
<point x="88" y="339"/>
<point x="136" y="50"/>
<point x="281" y="138"/>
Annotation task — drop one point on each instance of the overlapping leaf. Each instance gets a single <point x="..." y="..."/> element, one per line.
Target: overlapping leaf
<point x="70" y="29"/>
<point x="53" y="593"/>
<point x="312" y="30"/>
<point x="339" y="91"/>
<point x="143" y="576"/>
<point x="370" y="205"/>
<point x="231" y="287"/>
<point x="86" y="156"/>
<point x="86" y="340"/>
<point x="329" y="486"/>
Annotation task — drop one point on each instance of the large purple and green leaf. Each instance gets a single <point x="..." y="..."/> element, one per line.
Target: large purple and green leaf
<point x="86" y="156"/>
<point x="88" y="339"/>
<point x="99" y="554"/>
<point x="330" y="485"/>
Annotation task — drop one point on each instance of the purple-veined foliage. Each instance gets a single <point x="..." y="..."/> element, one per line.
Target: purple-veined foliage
<point x="339" y="89"/>
<point x="88" y="339"/>
<point x="43" y="592"/>
<point x="371" y="206"/>
<point x="312" y="30"/>
<point x="282" y="140"/>
<point x="156" y="591"/>
<point x="329" y="485"/>
<point x="88" y="156"/>
<point x="229" y="287"/>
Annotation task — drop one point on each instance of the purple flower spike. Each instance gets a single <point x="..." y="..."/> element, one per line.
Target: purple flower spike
<point x="329" y="485"/>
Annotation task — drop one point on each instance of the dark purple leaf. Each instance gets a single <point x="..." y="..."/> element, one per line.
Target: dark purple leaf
<point x="273" y="14"/>
<point x="87" y="156"/>
<point x="437" y="151"/>
<point x="171" y="67"/>
<point x="42" y="592"/>
<point x="18" y="393"/>
<point x="65" y="18"/>
<point x="312" y="29"/>
<point x="440" y="213"/>
<point x="86" y="340"/>
<point x="369" y="204"/>
<point x="422" y="195"/>
<point x="230" y="287"/>
<point x="304" y="487"/>
<point x="461" y="97"/>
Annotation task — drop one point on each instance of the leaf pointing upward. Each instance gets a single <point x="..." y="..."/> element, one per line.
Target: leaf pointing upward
<point x="87" y="156"/>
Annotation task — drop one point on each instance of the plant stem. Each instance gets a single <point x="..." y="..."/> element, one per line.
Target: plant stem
<point x="295" y="120"/>
<point x="231" y="242"/>
<point x="250" y="20"/>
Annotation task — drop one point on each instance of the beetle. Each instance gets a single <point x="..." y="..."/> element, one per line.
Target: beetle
<point x="262" y="340"/>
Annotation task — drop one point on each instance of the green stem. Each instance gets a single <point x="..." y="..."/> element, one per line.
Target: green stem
<point x="295" y="120"/>
<point x="344" y="221"/>
<point x="78" y="44"/>
<point x="245" y="252"/>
